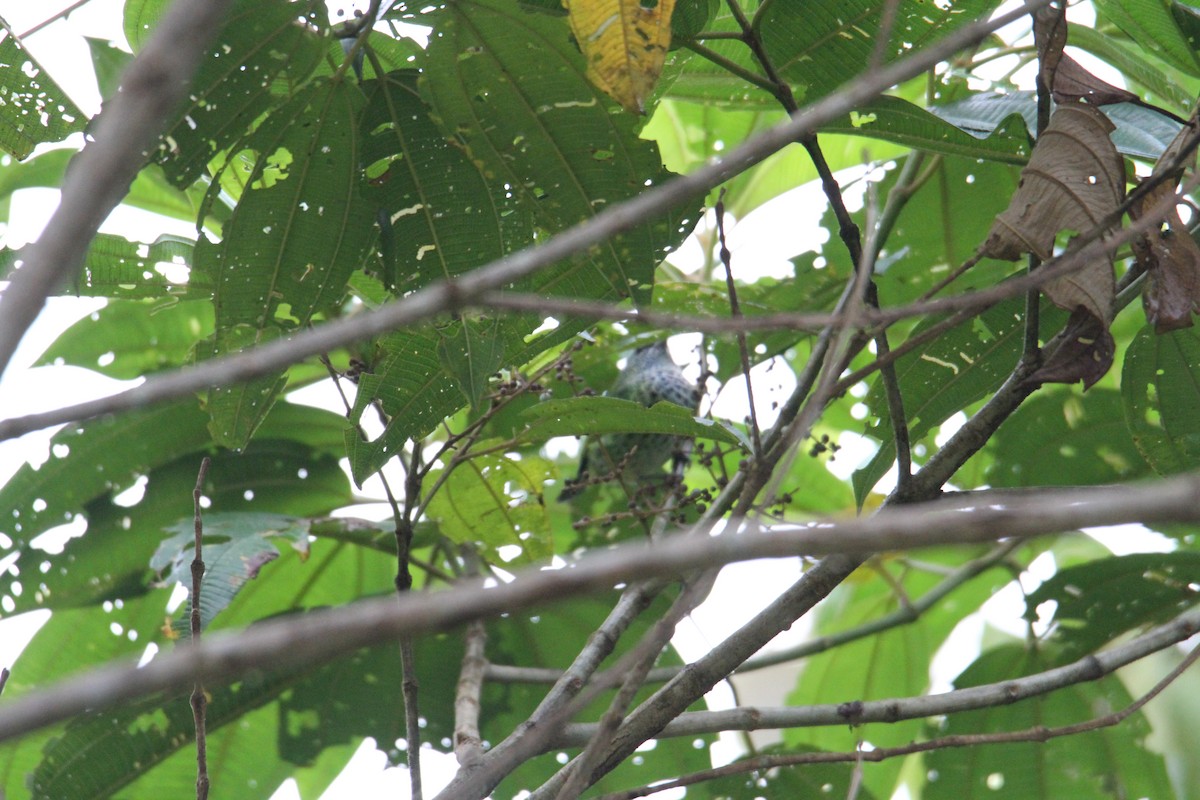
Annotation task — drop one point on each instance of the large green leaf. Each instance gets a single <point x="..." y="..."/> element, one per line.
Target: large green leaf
<point x="895" y="119"/>
<point x="99" y="754"/>
<point x="444" y="216"/>
<point x="35" y="109"/>
<point x="127" y="339"/>
<point x="293" y="468"/>
<point x="70" y="642"/>
<point x="264" y="51"/>
<point x="1061" y="438"/>
<point x="812" y="50"/>
<point x="150" y="189"/>
<point x="1097" y="601"/>
<point x="1160" y="384"/>
<point x="1102" y="764"/>
<point x="297" y="234"/>
<point x="1151" y="26"/>
<point x="538" y="127"/>
<point x="495" y="501"/>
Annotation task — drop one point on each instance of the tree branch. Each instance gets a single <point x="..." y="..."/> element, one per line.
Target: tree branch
<point x="320" y="636"/>
<point x="1089" y="668"/>
<point x="124" y="134"/>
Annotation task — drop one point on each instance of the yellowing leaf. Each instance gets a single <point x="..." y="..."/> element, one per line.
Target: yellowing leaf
<point x="624" y="42"/>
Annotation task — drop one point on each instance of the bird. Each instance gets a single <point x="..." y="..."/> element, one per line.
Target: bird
<point x="650" y="376"/>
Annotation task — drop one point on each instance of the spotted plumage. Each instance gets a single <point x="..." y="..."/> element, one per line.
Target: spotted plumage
<point x="649" y="376"/>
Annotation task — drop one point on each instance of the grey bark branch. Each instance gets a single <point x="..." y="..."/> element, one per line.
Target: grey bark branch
<point x="125" y="133"/>
<point x="854" y="712"/>
<point x="320" y="636"/>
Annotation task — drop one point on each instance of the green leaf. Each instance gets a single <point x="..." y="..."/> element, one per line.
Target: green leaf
<point x="1141" y="132"/>
<point x="444" y="215"/>
<point x="812" y="50"/>
<point x="70" y="642"/>
<point x="472" y="351"/>
<point x="1150" y="25"/>
<point x="495" y="500"/>
<point x="1160" y="384"/>
<point x="1097" y="601"/>
<point x="129" y="339"/>
<point x="237" y="409"/>
<point x="35" y="109"/>
<point x="578" y="416"/>
<point x="558" y="142"/>
<point x="92" y="458"/>
<point x="897" y="120"/>
<point x="292" y="468"/>
<point x="1101" y="764"/>
<point x="98" y="754"/>
<point x="264" y="51"/>
<point x="297" y="234"/>
<point x="235" y="548"/>
<point x="1062" y="438"/>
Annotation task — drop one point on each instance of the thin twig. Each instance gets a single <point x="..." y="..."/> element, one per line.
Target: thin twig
<point x="50" y="20"/>
<point x="1036" y="734"/>
<point x="199" y="699"/>
<point x="735" y="310"/>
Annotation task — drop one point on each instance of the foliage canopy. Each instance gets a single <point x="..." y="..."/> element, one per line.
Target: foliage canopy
<point x="992" y="223"/>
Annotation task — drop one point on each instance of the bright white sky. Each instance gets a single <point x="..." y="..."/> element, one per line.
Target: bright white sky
<point x="763" y="240"/>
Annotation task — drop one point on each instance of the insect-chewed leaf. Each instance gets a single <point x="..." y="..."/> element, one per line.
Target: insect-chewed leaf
<point x="625" y="43"/>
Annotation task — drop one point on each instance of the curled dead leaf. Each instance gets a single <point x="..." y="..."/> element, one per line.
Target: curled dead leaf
<point x="1074" y="180"/>
<point x="1171" y="259"/>
<point x="1085" y="354"/>
<point x="1068" y="81"/>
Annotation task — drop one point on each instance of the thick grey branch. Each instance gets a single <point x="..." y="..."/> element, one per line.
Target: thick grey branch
<point x="124" y="134"/>
<point x="321" y="636"/>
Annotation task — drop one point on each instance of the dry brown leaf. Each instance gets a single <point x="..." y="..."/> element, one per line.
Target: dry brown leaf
<point x="1171" y="259"/>
<point x="625" y="43"/>
<point x="1068" y="80"/>
<point x="1085" y="354"/>
<point x="1074" y="179"/>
